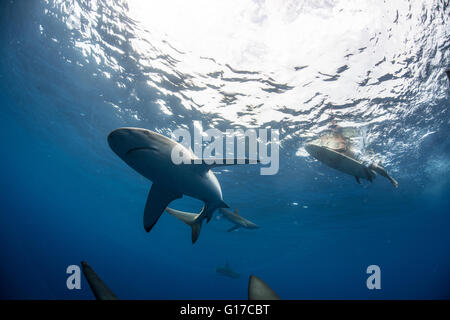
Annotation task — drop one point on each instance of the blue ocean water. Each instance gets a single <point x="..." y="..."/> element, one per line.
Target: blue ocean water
<point x="71" y="72"/>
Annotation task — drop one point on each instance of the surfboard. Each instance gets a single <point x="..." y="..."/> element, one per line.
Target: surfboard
<point x="339" y="161"/>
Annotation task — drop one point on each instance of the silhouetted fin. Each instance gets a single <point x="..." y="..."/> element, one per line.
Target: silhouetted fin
<point x="357" y="180"/>
<point x="259" y="290"/>
<point x="235" y="227"/>
<point x="99" y="289"/>
<point x="448" y="74"/>
<point x="158" y="199"/>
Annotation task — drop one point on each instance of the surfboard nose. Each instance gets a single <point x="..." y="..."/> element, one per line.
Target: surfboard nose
<point x="311" y="149"/>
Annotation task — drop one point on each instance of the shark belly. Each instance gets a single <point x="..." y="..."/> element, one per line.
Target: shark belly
<point x="158" y="167"/>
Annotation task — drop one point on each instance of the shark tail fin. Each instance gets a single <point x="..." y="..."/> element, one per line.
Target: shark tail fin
<point x="196" y="227"/>
<point x="191" y="219"/>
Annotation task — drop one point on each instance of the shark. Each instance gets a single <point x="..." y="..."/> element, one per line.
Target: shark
<point x="237" y="219"/>
<point x="227" y="271"/>
<point x="259" y="290"/>
<point x="150" y="154"/>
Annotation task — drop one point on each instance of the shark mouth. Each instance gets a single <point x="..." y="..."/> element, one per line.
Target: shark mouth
<point x="139" y="149"/>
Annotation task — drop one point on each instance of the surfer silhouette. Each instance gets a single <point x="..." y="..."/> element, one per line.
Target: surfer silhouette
<point x="337" y="150"/>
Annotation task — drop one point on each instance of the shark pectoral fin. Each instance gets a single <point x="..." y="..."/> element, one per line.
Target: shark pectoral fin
<point x="158" y="199"/>
<point x="357" y="180"/>
<point x="235" y="227"/>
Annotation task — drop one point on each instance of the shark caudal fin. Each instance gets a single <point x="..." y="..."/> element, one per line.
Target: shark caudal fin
<point x="191" y="219"/>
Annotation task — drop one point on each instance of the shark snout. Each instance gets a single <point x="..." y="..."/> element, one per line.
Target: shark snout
<point x="119" y="141"/>
<point x="251" y="225"/>
<point x="122" y="140"/>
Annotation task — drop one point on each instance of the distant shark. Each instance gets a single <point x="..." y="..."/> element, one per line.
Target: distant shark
<point x="150" y="154"/>
<point x="237" y="220"/>
<point x="98" y="287"/>
<point x="227" y="271"/>
<point x="259" y="290"/>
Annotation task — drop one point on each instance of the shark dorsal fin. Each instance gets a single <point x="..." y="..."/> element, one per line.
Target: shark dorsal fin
<point x="259" y="290"/>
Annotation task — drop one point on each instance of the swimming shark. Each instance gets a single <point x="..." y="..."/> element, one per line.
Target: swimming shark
<point x="98" y="287"/>
<point x="237" y="220"/>
<point x="227" y="271"/>
<point x="150" y="154"/>
<point x="259" y="290"/>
